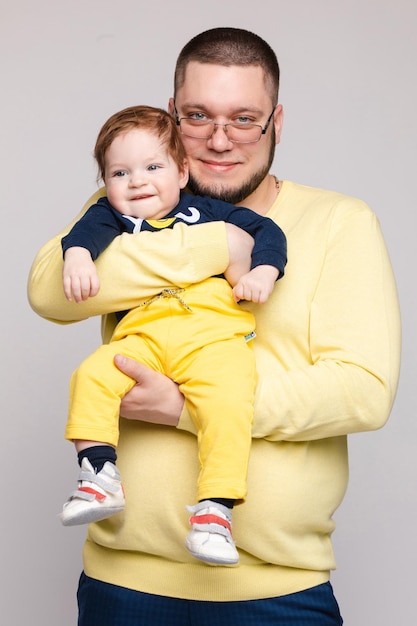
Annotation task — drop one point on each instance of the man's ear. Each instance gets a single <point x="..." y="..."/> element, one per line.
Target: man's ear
<point x="171" y="105"/>
<point x="278" y="122"/>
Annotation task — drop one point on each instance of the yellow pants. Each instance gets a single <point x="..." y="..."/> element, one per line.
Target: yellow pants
<point x="197" y="338"/>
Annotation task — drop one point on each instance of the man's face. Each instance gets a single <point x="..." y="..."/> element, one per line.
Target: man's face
<point x="218" y="167"/>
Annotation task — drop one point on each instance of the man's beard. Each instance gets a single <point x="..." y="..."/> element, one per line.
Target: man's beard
<point x="234" y="196"/>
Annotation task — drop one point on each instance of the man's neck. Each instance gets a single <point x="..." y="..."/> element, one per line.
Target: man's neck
<point x="263" y="197"/>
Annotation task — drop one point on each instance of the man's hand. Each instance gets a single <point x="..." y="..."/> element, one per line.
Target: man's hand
<point x="80" y="278"/>
<point x="257" y="285"/>
<point x="155" y="398"/>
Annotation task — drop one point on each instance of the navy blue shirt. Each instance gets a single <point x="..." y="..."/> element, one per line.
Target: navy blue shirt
<point x="102" y="223"/>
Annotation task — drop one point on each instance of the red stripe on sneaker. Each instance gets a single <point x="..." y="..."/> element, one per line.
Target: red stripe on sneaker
<point x="99" y="496"/>
<point x="211" y="519"/>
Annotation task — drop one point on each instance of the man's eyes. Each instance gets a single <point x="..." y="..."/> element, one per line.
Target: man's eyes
<point x="198" y="117"/>
<point x="241" y="120"/>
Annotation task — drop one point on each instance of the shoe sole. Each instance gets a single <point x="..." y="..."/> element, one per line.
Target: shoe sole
<point x="89" y="517"/>
<point x="211" y="560"/>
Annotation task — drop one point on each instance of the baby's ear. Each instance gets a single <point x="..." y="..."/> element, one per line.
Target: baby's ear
<point x="184" y="174"/>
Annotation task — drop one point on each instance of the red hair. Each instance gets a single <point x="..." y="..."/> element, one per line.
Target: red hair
<point x="141" y="117"/>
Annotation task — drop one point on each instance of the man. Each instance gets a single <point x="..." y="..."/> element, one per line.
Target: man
<point x="327" y="351"/>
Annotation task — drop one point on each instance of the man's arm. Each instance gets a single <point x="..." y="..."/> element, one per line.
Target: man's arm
<point x="352" y="358"/>
<point x="134" y="267"/>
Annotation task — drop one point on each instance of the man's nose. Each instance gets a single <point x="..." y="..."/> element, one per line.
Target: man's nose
<point x="219" y="140"/>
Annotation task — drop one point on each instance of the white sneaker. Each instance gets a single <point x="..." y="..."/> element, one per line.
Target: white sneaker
<point x="210" y="538"/>
<point x="98" y="495"/>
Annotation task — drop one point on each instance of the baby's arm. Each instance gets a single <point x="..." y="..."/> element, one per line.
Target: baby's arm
<point x="80" y="278"/>
<point x="256" y="285"/>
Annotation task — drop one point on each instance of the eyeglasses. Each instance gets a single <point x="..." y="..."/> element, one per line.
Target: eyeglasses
<point x="236" y="133"/>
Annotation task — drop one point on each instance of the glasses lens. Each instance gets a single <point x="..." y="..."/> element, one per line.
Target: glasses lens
<point x="196" y="129"/>
<point x="244" y="134"/>
<point x="247" y="133"/>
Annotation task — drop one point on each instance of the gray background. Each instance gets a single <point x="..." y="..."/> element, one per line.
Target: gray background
<point x="349" y="93"/>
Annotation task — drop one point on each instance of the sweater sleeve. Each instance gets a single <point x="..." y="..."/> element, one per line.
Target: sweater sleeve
<point x="96" y="229"/>
<point x="132" y="268"/>
<point x="270" y="243"/>
<point x="270" y="247"/>
<point x="349" y="377"/>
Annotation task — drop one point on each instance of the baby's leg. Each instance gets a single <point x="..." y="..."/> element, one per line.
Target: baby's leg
<point x="97" y="387"/>
<point x="221" y="392"/>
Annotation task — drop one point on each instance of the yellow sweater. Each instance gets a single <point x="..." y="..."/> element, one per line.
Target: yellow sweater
<point x="328" y="352"/>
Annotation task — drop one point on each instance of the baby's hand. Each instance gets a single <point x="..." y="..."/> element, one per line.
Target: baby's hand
<point x="80" y="278"/>
<point x="257" y="285"/>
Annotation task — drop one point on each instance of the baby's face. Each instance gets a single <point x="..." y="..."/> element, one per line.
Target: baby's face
<point x="141" y="177"/>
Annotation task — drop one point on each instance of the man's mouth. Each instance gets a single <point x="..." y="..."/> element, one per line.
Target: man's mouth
<point x="219" y="166"/>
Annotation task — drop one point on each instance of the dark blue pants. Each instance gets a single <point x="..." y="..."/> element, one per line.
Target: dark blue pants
<point x="102" y="604"/>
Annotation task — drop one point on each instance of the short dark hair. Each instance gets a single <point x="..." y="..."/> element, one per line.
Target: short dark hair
<point x="230" y="46"/>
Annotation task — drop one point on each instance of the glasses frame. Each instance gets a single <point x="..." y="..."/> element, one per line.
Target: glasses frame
<point x="263" y="128"/>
